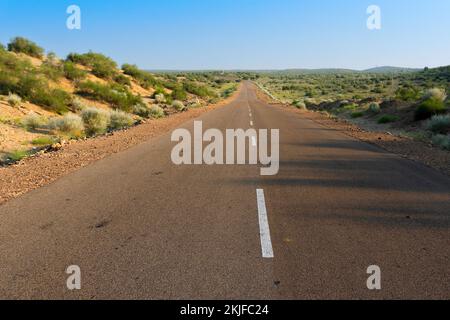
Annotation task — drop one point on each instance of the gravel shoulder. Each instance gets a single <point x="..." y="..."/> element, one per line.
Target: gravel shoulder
<point x="42" y="169"/>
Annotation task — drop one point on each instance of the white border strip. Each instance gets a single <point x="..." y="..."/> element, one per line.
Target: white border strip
<point x="266" y="242"/>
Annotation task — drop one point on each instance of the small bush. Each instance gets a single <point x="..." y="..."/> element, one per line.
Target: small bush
<point x="22" y="45"/>
<point x="17" y="155"/>
<point x="178" y="105"/>
<point x="141" y="110"/>
<point x="435" y="93"/>
<point x="145" y="79"/>
<point x="387" y="118"/>
<point x="443" y="141"/>
<point x="439" y="124"/>
<point x="118" y="96"/>
<point x="55" y="100"/>
<point x="77" y="104"/>
<point x="95" y="121"/>
<point x="160" y="98"/>
<point x="120" y="120"/>
<point x="178" y="93"/>
<point x="122" y="80"/>
<point x="428" y="108"/>
<point x="408" y="94"/>
<point x="43" y="141"/>
<point x="156" y="112"/>
<point x="73" y="73"/>
<point x="34" y="121"/>
<point x="14" y="100"/>
<point x="374" y="108"/>
<point x="71" y="124"/>
<point x="104" y="70"/>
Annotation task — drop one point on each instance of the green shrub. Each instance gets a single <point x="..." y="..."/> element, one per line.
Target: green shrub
<point x="408" y="94"/>
<point x="198" y="90"/>
<point x="120" y="120"/>
<point x="357" y="114"/>
<point x="387" y="118"/>
<point x="428" y="108"/>
<point x="179" y="93"/>
<point x="144" y="78"/>
<point x="178" y="105"/>
<point x="160" y="98"/>
<point x="439" y="124"/>
<point x="43" y="141"/>
<point x="34" y="121"/>
<point x="71" y="124"/>
<point x="118" y="96"/>
<point x="95" y="121"/>
<point x="17" y="155"/>
<point x="374" y="108"/>
<point x="22" y="45"/>
<point x="91" y="59"/>
<point x="14" y="100"/>
<point x="122" y="80"/>
<point x="156" y="112"/>
<point x="104" y="70"/>
<point x="73" y="73"/>
<point x="77" y="104"/>
<point x="443" y="141"/>
<point x="141" y="110"/>
<point x="55" y="100"/>
<point x="52" y="72"/>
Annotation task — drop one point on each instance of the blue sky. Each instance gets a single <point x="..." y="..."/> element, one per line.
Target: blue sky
<point x="239" y="34"/>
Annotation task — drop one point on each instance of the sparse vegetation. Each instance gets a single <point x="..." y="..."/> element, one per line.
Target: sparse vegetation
<point x="439" y="124"/>
<point x="43" y="141"/>
<point x="178" y="105"/>
<point x="120" y="120"/>
<point x="14" y="100"/>
<point x="71" y="125"/>
<point x="73" y="73"/>
<point x="34" y="121"/>
<point x="17" y="155"/>
<point x="156" y="112"/>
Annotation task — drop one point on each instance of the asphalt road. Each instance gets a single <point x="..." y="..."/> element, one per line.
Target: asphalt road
<point x="141" y="227"/>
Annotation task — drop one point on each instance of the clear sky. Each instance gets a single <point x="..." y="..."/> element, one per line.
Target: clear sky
<point x="239" y="34"/>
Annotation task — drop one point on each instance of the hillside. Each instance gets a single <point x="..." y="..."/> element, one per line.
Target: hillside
<point x="46" y="100"/>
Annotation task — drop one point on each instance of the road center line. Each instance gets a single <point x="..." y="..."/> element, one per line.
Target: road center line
<point x="251" y="123"/>
<point x="264" y="230"/>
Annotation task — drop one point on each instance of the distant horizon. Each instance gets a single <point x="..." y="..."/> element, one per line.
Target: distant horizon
<point x="254" y="35"/>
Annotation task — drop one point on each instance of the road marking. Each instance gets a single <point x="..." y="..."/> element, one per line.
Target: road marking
<point x="264" y="230"/>
<point x="253" y="141"/>
<point x="251" y="123"/>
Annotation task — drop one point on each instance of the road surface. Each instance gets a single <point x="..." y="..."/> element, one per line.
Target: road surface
<point x="139" y="226"/>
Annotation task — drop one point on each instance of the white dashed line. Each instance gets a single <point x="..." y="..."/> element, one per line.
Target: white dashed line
<point x="264" y="230"/>
<point x="251" y="123"/>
